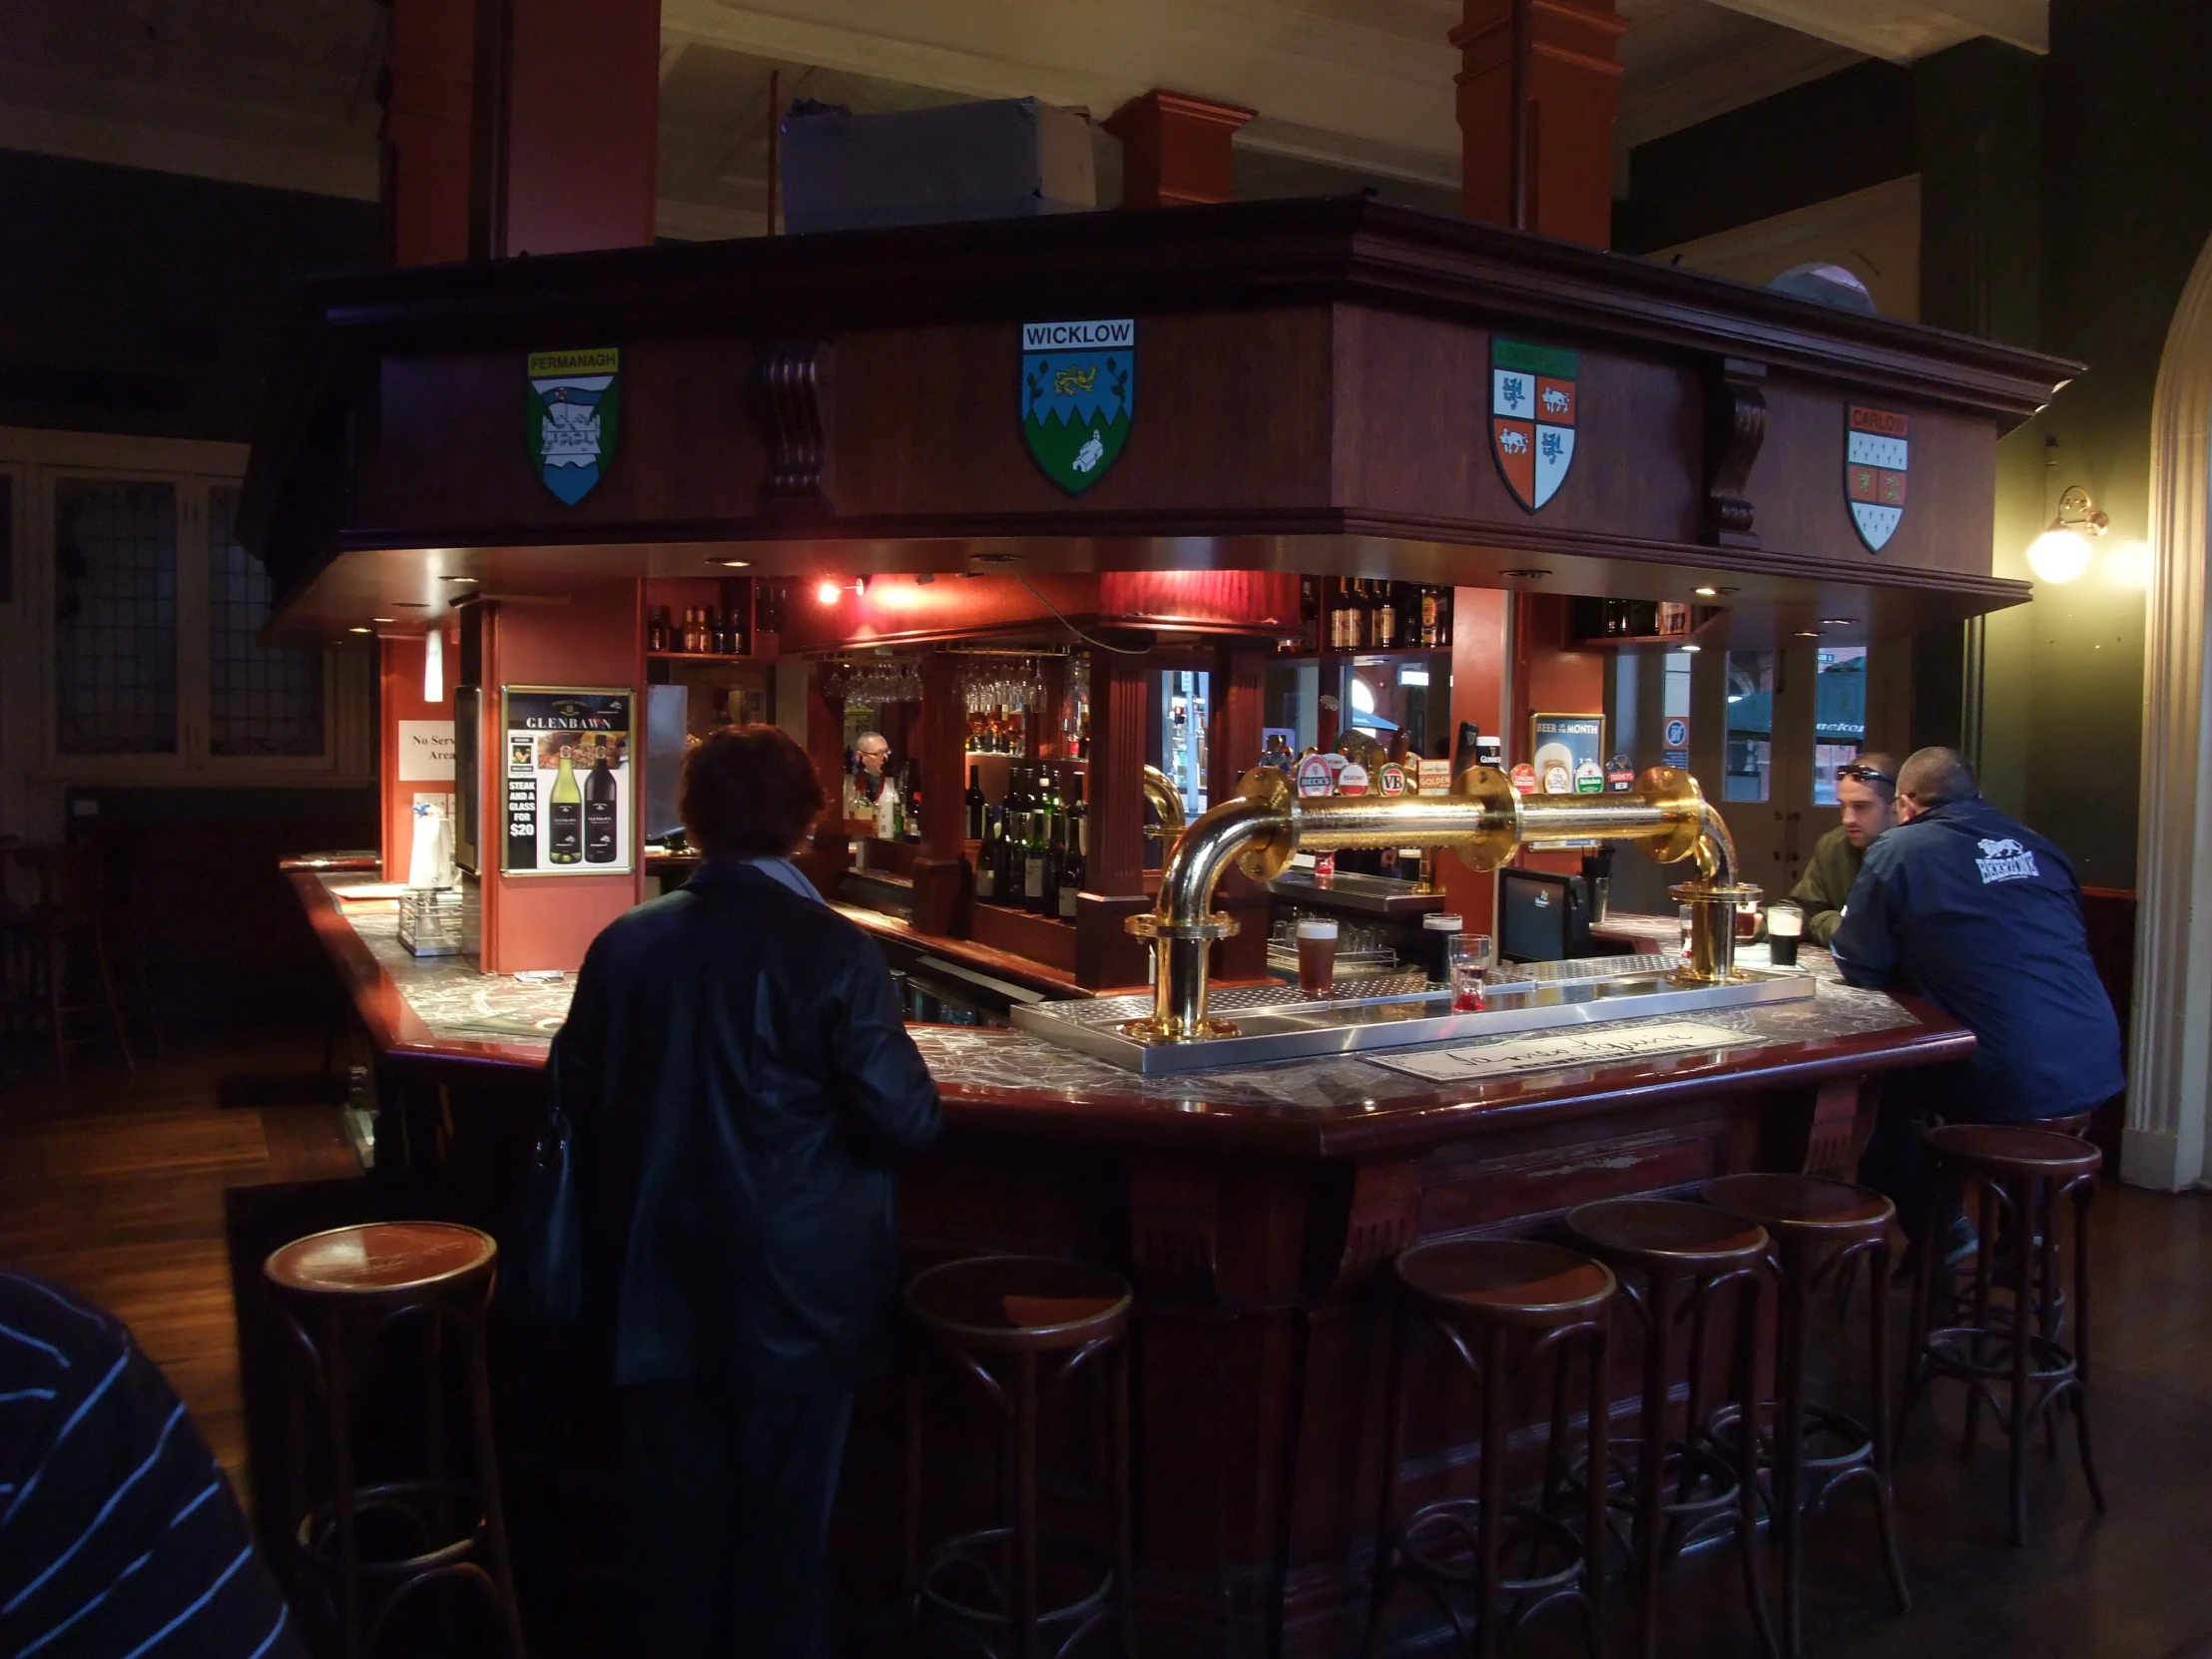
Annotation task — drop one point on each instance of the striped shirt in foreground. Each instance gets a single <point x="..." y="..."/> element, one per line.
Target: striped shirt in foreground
<point x="119" y="1537"/>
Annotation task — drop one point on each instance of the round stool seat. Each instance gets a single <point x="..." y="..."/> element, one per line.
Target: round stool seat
<point x="1506" y="1280"/>
<point x="2016" y="1149"/>
<point x="1668" y="1232"/>
<point x="1019" y="1303"/>
<point x="1808" y="1207"/>
<point x="383" y="1261"/>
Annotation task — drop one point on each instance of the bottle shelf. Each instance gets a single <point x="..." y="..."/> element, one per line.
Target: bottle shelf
<point x="697" y="657"/>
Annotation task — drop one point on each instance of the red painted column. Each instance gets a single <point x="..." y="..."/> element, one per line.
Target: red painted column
<point x="568" y="123"/>
<point x="1538" y="95"/>
<point x="429" y="74"/>
<point x="1479" y="671"/>
<point x="1175" y="149"/>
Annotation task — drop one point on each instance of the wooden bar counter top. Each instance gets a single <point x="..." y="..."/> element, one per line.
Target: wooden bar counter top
<point x="1252" y="1208"/>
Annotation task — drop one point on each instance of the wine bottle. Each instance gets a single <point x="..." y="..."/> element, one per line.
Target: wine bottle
<point x="1075" y="852"/>
<point x="564" y="841"/>
<point x="600" y="838"/>
<point x="988" y="855"/>
<point x="1034" y="856"/>
<point x="976" y="804"/>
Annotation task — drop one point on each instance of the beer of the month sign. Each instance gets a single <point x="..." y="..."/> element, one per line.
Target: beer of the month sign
<point x="1568" y="753"/>
<point x="568" y="779"/>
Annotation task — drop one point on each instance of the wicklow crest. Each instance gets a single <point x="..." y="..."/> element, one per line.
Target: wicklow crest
<point x="1078" y="397"/>
<point x="573" y="418"/>
<point x="1532" y="415"/>
<point x="1875" y="454"/>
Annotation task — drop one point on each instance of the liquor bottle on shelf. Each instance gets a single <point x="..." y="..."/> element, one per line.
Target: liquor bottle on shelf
<point x="1075" y="850"/>
<point x="1443" y="618"/>
<point x="564" y="843"/>
<point x="912" y="827"/>
<point x="1034" y="856"/>
<point x="988" y="855"/>
<point x="599" y="836"/>
<point x="976" y="804"/>
<point x="1384" y="619"/>
<point x="886" y="809"/>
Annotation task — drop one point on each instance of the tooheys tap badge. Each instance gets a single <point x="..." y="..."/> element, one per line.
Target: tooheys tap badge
<point x="1533" y="417"/>
<point x="1874" y="457"/>
<point x="1078" y="397"/>
<point x="572" y="418"/>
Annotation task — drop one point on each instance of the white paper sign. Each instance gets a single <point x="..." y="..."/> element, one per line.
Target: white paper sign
<point x="1627" y="1042"/>
<point x="426" y="752"/>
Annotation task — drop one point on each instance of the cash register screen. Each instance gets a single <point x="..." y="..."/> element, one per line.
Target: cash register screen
<point x="1532" y="913"/>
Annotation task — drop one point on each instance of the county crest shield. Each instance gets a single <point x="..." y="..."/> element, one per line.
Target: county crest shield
<point x="1876" y="449"/>
<point x="572" y="418"/>
<point x="1078" y="397"/>
<point x="1532" y="416"/>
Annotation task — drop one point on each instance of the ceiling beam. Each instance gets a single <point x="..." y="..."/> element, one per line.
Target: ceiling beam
<point x="1903" y="29"/>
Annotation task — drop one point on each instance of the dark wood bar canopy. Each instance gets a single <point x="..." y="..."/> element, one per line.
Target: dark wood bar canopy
<point x="1311" y="395"/>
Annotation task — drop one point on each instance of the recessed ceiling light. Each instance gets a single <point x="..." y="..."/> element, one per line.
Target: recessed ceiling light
<point x="733" y="564"/>
<point x="384" y="619"/>
<point x="1527" y="573"/>
<point x="457" y="578"/>
<point x="1693" y="650"/>
<point x="1809" y="633"/>
<point x="361" y="630"/>
<point x="1706" y="593"/>
<point x="410" y="604"/>
<point x="996" y="558"/>
<point x="1837" y="621"/>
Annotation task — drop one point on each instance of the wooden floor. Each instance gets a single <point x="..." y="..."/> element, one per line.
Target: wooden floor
<point x="115" y="1185"/>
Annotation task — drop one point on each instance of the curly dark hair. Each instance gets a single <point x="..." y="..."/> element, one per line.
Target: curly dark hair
<point x="747" y="792"/>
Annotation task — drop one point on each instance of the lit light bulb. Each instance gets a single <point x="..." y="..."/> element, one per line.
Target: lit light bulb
<point x="433" y="666"/>
<point x="2058" y="555"/>
<point x="826" y="593"/>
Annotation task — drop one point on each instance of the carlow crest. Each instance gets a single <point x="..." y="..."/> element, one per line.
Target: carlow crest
<point x="1874" y="453"/>
<point x="1533" y="409"/>
<point x="573" y="418"/>
<point x="1078" y="397"/>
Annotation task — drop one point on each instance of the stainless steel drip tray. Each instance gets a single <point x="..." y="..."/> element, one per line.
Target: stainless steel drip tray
<point x="1279" y="1022"/>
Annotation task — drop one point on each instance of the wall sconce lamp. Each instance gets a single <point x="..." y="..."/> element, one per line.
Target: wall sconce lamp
<point x="828" y="593"/>
<point x="2061" y="552"/>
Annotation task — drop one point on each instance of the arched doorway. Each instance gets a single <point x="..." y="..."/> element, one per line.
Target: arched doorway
<point x="2170" y="1048"/>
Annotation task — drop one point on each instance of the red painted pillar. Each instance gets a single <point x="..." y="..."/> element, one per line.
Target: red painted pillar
<point x="1538" y="95"/>
<point x="430" y="75"/>
<point x="567" y="125"/>
<point x="1478" y="686"/>
<point x="1175" y="149"/>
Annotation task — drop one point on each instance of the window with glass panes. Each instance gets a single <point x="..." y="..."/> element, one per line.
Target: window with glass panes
<point x="115" y="617"/>
<point x="262" y="698"/>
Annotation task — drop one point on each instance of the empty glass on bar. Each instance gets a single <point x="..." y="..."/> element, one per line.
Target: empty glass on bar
<point x="1472" y="957"/>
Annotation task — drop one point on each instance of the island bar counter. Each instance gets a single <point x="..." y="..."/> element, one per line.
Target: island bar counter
<point x="1255" y="1212"/>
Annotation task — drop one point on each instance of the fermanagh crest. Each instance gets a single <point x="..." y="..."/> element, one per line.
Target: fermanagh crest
<point x="1078" y="397"/>
<point x="1533" y="409"/>
<point x="572" y="418"/>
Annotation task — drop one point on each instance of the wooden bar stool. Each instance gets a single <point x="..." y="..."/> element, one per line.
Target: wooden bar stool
<point x="997" y="1319"/>
<point x="338" y="1292"/>
<point x="1821" y="1230"/>
<point x="1673" y="1259"/>
<point x="1500" y="1304"/>
<point x="2023" y="1173"/>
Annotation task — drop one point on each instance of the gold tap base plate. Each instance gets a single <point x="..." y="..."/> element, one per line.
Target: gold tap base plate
<point x="1157" y="1030"/>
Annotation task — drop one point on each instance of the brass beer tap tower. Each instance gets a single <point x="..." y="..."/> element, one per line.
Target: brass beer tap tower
<point x="1484" y="820"/>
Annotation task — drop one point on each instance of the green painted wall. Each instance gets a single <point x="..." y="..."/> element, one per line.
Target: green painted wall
<point x="2063" y="202"/>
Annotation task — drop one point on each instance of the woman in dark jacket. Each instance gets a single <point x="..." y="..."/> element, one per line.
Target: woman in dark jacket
<point x="740" y="1083"/>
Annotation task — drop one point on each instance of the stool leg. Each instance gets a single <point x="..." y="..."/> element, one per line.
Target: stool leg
<point x="1125" y="1556"/>
<point x="1394" y="1454"/>
<point x="1747" y="1462"/>
<point x="487" y="1472"/>
<point x="337" y="1383"/>
<point x="1651" y="1459"/>
<point x="1491" y="1522"/>
<point x="1984" y="1268"/>
<point x="2083" y="1193"/>
<point x="1878" y="1416"/>
<point x="1692" y="1424"/>
<point x="1025" y="1507"/>
<point x="1789" y="1452"/>
<point x="107" y="990"/>
<point x="2024" y="1193"/>
<point x="1597" y="1351"/>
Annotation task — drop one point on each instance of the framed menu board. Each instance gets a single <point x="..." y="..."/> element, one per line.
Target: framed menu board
<point x="1568" y="753"/>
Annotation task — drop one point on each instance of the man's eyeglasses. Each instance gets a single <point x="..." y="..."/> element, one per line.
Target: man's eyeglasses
<point x="1867" y="775"/>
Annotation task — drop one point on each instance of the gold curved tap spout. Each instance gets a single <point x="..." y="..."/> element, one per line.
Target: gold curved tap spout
<point x="1166" y="802"/>
<point x="1484" y="820"/>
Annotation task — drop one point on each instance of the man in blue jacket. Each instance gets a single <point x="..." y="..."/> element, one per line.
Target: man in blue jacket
<point x="1983" y="917"/>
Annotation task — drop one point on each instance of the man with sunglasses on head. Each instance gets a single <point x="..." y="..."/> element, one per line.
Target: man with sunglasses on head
<point x="1983" y="917"/>
<point x="1866" y="790"/>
